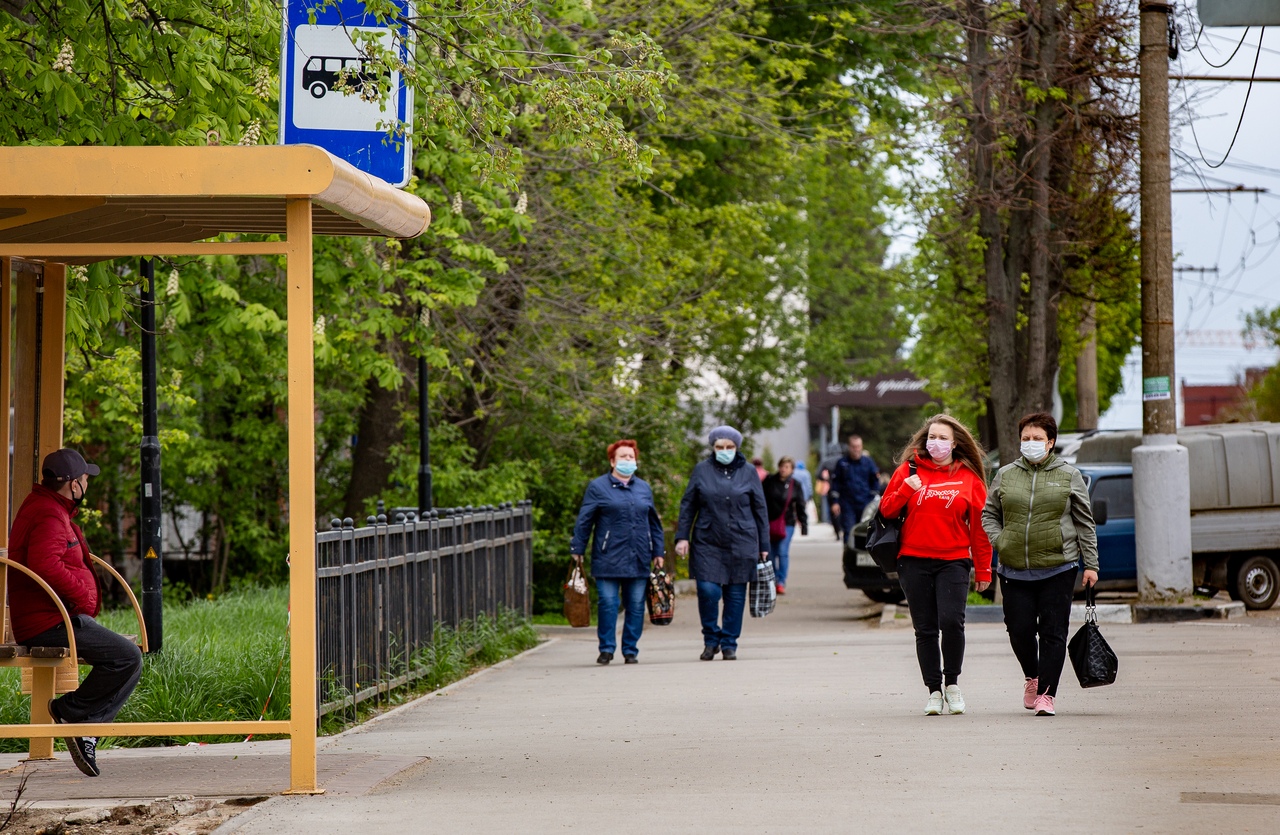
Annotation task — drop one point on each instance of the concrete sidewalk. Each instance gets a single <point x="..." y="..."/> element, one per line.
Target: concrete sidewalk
<point x="818" y="726"/>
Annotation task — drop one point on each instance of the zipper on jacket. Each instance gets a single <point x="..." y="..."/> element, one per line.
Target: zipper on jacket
<point x="1027" y="538"/>
<point x="604" y="546"/>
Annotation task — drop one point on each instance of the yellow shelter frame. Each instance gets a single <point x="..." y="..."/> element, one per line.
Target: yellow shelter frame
<point x="61" y="206"/>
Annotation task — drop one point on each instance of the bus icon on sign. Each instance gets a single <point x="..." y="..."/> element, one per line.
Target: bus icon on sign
<point x="325" y="72"/>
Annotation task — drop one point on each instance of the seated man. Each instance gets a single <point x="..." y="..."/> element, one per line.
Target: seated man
<point x="45" y="540"/>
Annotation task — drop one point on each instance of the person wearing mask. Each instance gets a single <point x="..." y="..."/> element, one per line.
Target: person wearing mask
<point x="785" y="501"/>
<point x="1040" y="521"/>
<point x="46" y="540"/>
<point x="724" y="529"/>
<point x="854" y="481"/>
<point x="942" y="540"/>
<point x="618" y="515"/>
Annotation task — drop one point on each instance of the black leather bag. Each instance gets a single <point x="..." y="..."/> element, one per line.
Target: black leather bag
<point x="1094" y="661"/>
<point x="884" y="537"/>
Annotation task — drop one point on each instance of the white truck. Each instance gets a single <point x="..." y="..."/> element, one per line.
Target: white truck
<point x="1235" y="504"/>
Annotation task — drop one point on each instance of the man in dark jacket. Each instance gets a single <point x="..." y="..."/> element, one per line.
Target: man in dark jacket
<point x="855" y="479"/>
<point x="47" y="541"/>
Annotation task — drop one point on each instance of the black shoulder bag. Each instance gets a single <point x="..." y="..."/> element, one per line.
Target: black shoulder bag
<point x="1095" y="663"/>
<point x="884" y="537"/>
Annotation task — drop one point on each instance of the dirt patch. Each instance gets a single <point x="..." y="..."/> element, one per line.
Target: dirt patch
<point x="175" y="815"/>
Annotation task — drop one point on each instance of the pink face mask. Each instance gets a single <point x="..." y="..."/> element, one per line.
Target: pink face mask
<point x="938" y="450"/>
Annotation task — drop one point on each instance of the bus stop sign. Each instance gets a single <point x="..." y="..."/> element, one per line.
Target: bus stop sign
<point x="1239" y="12"/>
<point x="330" y="92"/>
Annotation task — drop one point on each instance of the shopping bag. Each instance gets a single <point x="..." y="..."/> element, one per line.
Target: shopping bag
<point x="1091" y="656"/>
<point x="661" y="598"/>
<point x="762" y="591"/>
<point x="577" y="602"/>
<point x="778" y="528"/>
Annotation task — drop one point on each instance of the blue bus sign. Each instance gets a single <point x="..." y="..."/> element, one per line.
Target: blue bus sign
<point x="331" y="92"/>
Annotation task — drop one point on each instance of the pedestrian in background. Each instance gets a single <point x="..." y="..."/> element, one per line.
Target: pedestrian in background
<point x="724" y="528"/>
<point x="1040" y="521"/>
<point x="826" y="467"/>
<point x="758" y="463"/>
<point x="805" y="480"/>
<point x="784" y="499"/>
<point x="619" y="517"/>
<point x="855" y="479"/>
<point x="942" y="540"/>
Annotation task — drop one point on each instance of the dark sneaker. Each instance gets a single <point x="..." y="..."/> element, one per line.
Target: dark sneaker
<point x="729" y="654"/>
<point x="709" y="653"/>
<point x="604" y="658"/>
<point x="630" y="659"/>
<point x="83" y="749"/>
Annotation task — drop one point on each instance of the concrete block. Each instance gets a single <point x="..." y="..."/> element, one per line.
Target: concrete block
<point x="894" y="617"/>
<point x="1106" y="612"/>
<point x="1197" y="610"/>
<point x="984" y="614"/>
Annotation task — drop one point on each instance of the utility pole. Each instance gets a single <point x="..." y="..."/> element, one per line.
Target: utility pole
<point x="1161" y="473"/>
<point x="149" y="532"/>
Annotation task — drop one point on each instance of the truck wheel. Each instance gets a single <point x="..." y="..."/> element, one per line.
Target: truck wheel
<point x="1257" y="582"/>
<point x="885" y="595"/>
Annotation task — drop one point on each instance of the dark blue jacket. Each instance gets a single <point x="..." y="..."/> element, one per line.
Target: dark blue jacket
<point x="855" y="482"/>
<point x="723" y="516"/>
<point x="628" y="533"/>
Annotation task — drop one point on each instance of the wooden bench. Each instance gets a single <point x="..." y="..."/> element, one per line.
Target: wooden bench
<point x="48" y="671"/>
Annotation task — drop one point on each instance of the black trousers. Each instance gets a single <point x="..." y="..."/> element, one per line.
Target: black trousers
<point x="936" y="593"/>
<point x="116" y="666"/>
<point x="1037" y="614"/>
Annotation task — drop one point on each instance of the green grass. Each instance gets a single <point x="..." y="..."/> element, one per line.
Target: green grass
<point x="976" y="599"/>
<point x="220" y="660"/>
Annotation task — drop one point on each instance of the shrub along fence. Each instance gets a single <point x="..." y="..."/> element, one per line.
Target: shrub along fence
<point x="382" y="590"/>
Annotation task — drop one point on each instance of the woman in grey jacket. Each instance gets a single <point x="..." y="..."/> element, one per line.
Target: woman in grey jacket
<point x="1040" y="522"/>
<point x="724" y="525"/>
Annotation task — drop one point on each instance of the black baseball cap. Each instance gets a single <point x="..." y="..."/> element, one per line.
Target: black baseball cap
<point x="65" y="465"/>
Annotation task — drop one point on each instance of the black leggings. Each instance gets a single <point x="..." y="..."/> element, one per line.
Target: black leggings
<point x="1037" y="614"/>
<point x="936" y="593"/>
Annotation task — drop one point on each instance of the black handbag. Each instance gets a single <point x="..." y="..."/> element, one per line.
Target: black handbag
<point x="884" y="537"/>
<point x="1091" y="656"/>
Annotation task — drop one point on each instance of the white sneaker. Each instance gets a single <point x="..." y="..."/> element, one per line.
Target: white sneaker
<point x="954" y="699"/>
<point x="934" y="706"/>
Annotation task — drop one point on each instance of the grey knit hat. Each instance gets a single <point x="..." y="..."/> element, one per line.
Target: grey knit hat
<point x="726" y="433"/>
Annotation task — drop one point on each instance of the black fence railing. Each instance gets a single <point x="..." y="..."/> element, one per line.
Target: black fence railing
<point x="383" y="589"/>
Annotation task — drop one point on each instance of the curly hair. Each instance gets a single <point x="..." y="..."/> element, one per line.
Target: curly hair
<point x="967" y="450"/>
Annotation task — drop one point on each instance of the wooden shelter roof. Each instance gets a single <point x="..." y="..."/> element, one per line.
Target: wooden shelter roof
<point x="83" y="195"/>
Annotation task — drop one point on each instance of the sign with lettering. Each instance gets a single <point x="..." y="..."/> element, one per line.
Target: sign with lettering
<point x="1239" y="12"/>
<point x="900" y="389"/>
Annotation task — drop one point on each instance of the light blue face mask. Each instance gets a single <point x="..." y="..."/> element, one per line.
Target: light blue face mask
<point x="625" y="468"/>
<point x="726" y="456"/>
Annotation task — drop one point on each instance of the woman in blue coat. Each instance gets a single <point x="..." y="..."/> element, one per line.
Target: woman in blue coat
<point x="618" y="508"/>
<point x="724" y="524"/>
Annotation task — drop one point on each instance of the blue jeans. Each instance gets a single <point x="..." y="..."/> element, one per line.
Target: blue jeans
<point x="612" y="592"/>
<point x="716" y="632"/>
<point x="780" y="555"/>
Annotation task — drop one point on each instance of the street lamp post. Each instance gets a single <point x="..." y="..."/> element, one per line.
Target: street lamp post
<point x="424" y="429"/>
<point x="149" y="533"/>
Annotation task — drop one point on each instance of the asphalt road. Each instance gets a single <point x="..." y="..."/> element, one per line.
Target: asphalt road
<point x="819" y="726"/>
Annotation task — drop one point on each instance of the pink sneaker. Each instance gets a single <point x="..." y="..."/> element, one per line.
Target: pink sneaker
<point x="1029" y="693"/>
<point x="1044" y="705"/>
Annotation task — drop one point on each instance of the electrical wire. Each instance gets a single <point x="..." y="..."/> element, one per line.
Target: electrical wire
<point x="1197" y="48"/>
<point x="1252" y="75"/>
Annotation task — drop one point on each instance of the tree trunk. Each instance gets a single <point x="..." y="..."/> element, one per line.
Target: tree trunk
<point x="370" y="460"/>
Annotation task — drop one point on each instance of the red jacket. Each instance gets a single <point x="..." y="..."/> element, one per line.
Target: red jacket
<point x="944" y="517"/>
<point x="45" y="540"/>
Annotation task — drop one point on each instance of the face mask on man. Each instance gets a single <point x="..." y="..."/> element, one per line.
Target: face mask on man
<point x="725" y="456"/>
<point x="939" y="450"/>
<point x="76" y="500"/>
<point x="625" y="468"/>
<point x="1034" y="451"/>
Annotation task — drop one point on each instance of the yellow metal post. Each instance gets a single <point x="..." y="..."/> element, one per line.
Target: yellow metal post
<point x="302" y="502"/>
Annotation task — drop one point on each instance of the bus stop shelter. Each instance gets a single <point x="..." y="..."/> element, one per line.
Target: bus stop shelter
<point x="77" y="205"/>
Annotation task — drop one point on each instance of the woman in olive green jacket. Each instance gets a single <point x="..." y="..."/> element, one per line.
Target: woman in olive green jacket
<point x="1040" y="522"/>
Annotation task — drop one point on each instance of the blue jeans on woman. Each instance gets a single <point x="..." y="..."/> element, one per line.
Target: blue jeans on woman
<point x="721" y="633"/>
<point x="612" y="592"/>
<point x="780" y="555"/>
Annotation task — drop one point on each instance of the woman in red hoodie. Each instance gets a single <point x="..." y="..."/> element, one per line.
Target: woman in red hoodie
<point x="940" y="483"/>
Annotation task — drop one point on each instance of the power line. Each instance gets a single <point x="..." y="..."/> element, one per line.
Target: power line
<point x="1252" y="75"/>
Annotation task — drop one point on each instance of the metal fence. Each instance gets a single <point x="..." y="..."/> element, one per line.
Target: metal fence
<point x="383" y="589"/>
